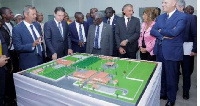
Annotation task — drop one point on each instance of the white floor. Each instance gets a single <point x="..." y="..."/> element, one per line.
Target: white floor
<point x="192" y="101"/>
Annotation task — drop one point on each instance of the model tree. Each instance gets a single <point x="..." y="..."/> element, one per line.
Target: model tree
<point x="124" y="72"/>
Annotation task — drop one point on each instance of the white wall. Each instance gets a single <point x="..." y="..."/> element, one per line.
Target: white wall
<point x="71" y="6"/>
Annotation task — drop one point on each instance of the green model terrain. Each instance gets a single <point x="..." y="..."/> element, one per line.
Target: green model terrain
<point x="131" y="75"/>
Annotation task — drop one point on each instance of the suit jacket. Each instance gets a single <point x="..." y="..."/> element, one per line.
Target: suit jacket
<point x="132" y="33"/>
<point x="148" y="39"/>
<point x="23" y="41"/>
<point x="73" y="34"/>
<point x="55" y="43"/>
<point x="2" y="69"/>
<point x="191" y="31"/>
<point x="113" y="22"/>
<point x="90" y="21"/>
<point x="106" y="39"/>
<point x="172" y="49"/>
<point x="6" y="34"/>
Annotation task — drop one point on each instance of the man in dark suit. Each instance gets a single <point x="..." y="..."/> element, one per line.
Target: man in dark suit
<point x="127" y="32"/>
<point x="3" y="69"/>
<point x="190" y="41"/>
<point x="13" y="63"/>
<point x="56" y="36"/>
<point x="91" y="18"/>
<point x="100" y="37"/>
<point x="78" y="31"/>
<point x="27" y="40"/>
<point x="110" y="18"/>
<point x="169" y="31"/>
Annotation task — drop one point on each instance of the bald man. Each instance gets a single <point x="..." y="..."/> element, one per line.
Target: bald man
<point x="169" y="31"/>
<point x="78" y="33"/>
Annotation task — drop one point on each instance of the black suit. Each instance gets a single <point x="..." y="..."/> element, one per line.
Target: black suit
<point x="12" y="63"/>
<point x="2" y="70"/>
<point x="55" y="43"/>
<point x="187" y="64"/>
<point x="131" y="33"/>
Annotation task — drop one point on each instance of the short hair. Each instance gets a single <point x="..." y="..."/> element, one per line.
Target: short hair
<point x="27" y="7"/>
<point x="109" y="8"/>
<point x="150" y="13"/>
<point x="126" y="5"/>
<point x="95" y="9"/>
<point x="157" y="11"/>
<point x="59" y="9"/>
<point x="3" y="10"/>
<point x="77" y="13"/>
<point x="181" y="3"/>
<point x="98" y="15"/>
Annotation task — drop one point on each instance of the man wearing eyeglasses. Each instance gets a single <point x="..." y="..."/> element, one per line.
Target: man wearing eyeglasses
<point x="127" y="32"/>
<point x="100" y="37"/>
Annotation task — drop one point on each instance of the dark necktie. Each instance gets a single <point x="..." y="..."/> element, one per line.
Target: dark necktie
<point x="108" y="21"/>
<point x="38" y="46"/>
<point x="80" y="33"/>
<point x="128" y="23"/>
<point x="96" y="39"/>
<point x="59" y="27"/>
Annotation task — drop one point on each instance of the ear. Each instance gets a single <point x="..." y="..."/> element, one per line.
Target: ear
<point x="4" y="15"/>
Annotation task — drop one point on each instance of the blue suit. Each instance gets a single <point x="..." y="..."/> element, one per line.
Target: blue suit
<point x="23" y="41"/>
<point x="187" y="64"/>
<point x="73" y="34"/>
<point x="2" y="70"/>
<point x="169" y="51"/>
<point x="90" y="21"/>
<point x="115" y="49"/>
<point x="55" y="43"/>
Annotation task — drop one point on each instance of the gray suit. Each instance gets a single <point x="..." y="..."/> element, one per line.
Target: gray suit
<point x="106" y="39"/>
<point x="132" y="34"/>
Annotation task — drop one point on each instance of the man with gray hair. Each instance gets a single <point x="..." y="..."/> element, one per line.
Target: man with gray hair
<point x="100" y="37"/>
<point x="190" y="41"/>
<point x="169" y="31"/>
<point x="127" y="32"/>
<point x="27" y="40"/>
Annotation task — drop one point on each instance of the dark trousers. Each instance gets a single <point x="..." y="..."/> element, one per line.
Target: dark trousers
<point x="187" y="68"/>
<point x="147" y="56"/>
<point x="14" y="56"/>
<point x="10" y="94"/>
<point x="128" y="54"/>
<point x="169" y="78"/>
<point x="78" y="49"/>
<point x="2" y="85"/>
<point x="96" y="51"/>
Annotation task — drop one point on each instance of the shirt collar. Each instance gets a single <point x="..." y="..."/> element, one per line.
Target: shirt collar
<point x="27" y="24"/>
<point x="101" y="25"/>
<point x="111" y="18"/>
<point x="171" y="13"/>
<point x="56" y="21"/>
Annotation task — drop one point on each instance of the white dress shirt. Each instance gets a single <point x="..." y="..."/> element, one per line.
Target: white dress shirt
<point x="36" y="32"/>
<point x="60" y="26"/>
<point x="171" y="13"/>
<point x="83" y="31"/>
<point x="126" y="20"/>
<point x="111" y="19"/>
<point x="100" y="31"/>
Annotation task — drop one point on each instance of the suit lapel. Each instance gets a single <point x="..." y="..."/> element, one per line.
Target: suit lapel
<point x="103" y="33"/>
<point x="75" y="30"/>
<point x="26" y="31"/>
<point x="93" y="34"/>
<point x="54" y="25"/>
<point x="64" y="29"/>
<point x="174" y="15"/>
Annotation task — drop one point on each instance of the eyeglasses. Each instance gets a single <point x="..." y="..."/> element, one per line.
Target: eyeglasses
<point x="95" y="20"/>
